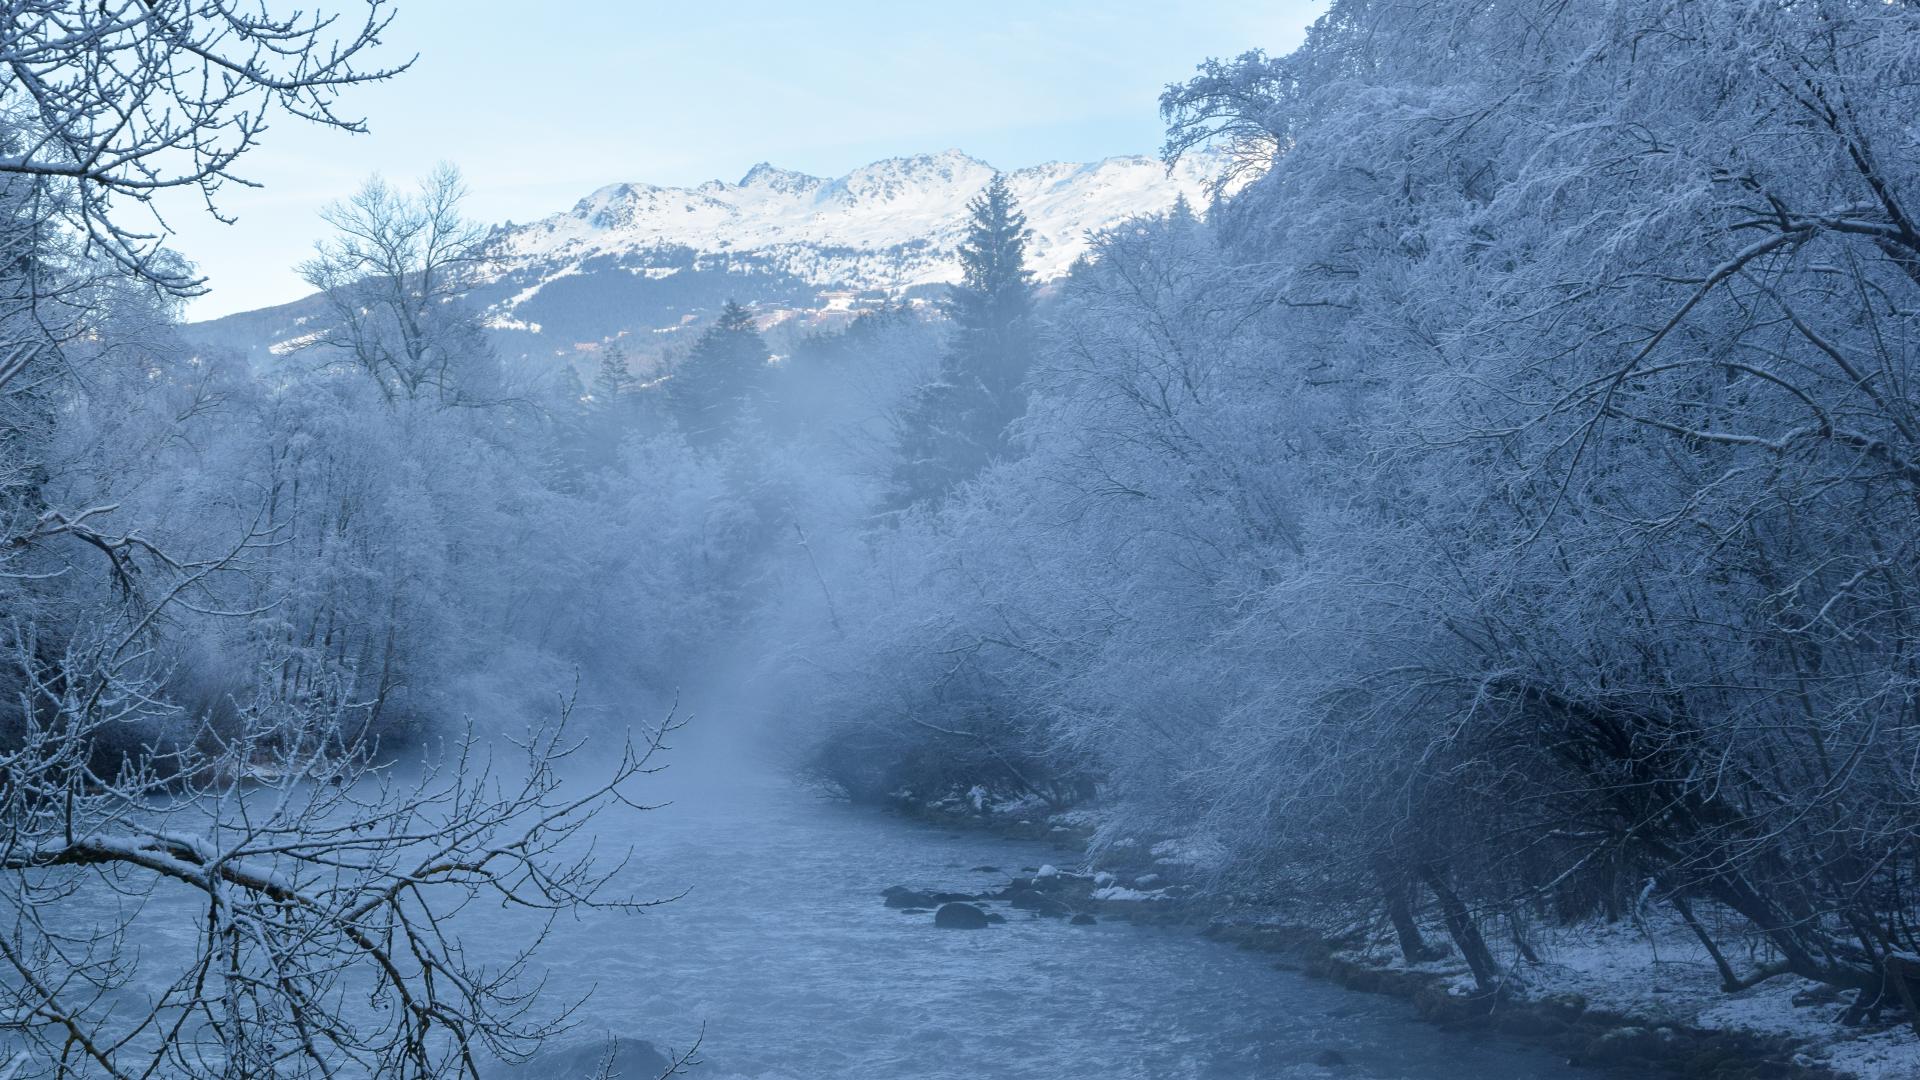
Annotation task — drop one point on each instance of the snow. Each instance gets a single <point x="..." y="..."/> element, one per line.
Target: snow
<point x="890" y="225"/>
<point x="1198" y="852"/>
<point x="1657" y="972"/>
<point x="294" y="344"/>
<point x="1027" y="805"/>
<point x="1121" y="892"/>
<point x="507" y="322"/>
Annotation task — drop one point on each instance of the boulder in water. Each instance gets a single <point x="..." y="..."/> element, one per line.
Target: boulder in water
<point x="1030" y="899"/>
<point x="1082" y="919"/>
<point x="961" y="916"/>
<point x="900" y="896"/>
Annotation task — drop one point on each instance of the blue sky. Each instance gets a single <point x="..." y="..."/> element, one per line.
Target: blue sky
<point x="539" y="111"/>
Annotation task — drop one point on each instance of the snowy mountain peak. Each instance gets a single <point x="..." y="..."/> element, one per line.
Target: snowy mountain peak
<point x="636" y="256"/>
<point x="889" y="225"/>
<point x="771" y="177"/>
<point x="645" y="265"/>
<point x="621" y="206"/>
<point x="896" y="177"/>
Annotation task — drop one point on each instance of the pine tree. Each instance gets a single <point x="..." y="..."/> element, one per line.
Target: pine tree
<point x="613" y="381"/>
<point x="958" y="423"/>
<point x="570" y="441"/>
<point x="1182" y="214"/>
<point x="612" y="407"/>
<point x="721" y="379"/>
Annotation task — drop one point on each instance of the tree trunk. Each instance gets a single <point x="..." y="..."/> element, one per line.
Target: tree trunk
<point x="1465" y="932"/>
<point x="1398" y="888"/>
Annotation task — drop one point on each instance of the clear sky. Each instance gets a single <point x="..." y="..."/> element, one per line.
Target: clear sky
<point x="540" y="104"/>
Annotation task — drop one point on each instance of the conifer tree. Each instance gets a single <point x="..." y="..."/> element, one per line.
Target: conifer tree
<point x="719" y="381"/>
<point x="958" y="423"/>
<point x="613" y="381"/>
<point x="611" y="408"/>
<point x="567" y="403"/>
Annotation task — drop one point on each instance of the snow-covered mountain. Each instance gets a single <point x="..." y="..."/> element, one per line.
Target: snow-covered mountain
<point x="639" y="264"/>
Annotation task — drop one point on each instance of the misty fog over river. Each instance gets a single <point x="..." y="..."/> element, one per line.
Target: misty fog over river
<point x="783" y="950"/>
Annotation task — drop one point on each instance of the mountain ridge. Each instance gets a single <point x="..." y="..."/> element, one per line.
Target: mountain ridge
<point x="637" y="263"/>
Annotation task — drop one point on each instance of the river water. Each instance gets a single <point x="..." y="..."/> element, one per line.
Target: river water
<point x="785" y="955"/>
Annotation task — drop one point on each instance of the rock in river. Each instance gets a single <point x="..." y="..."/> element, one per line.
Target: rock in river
<point x="1031" y="899"/>
<point x="899" y="896"/>
<point x="959" y="916"/>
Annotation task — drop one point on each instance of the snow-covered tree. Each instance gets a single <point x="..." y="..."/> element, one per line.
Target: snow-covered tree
<point x="124" y="99"/>
<point x="959" y="423"/>
<point x="234" y="602"/>
<point x="1502" y="503"/>
<point x="718" y="384"/>
<point x="393" y="274"/>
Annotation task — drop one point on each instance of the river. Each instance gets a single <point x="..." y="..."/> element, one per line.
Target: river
<point x="783" y="951"/>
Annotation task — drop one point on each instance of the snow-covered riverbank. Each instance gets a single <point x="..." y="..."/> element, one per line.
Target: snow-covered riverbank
<point x="1640" y="993"/>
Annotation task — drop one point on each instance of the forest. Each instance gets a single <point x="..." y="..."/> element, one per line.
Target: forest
<point x="1495" y="511"/>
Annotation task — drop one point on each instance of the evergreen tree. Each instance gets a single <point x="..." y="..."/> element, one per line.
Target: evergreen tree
<point x="613" y="381"/>
<point x="610" y="410"/>
<point x="724" y="375"/>
<point x="613" y="402"/>
<point x="1182" y="215"/>
<point x="567" y="403"/>
<point x="959" y="422"/>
